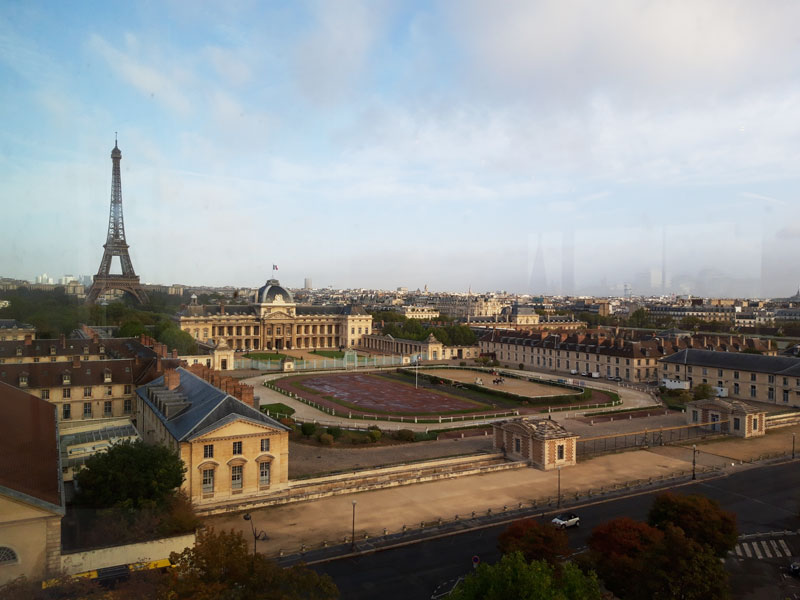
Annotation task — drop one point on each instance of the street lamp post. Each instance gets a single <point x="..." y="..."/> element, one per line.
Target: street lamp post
<point x="694" y="461"/>
<point x="353" y="535"/>
<point x="258" y="534"/>
<point x="559" y="487"/>
<point x="793" y="435"/>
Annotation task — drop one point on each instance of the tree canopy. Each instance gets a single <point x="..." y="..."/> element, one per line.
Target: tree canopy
<point x="219" y="567"/>
<point x="701" y="519"/>
<point x="535" y="540"/>
<point x="514" y="577"/>
<point x="129" y="474"/>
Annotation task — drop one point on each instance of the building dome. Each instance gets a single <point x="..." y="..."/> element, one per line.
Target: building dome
<point x="272" y="292"/>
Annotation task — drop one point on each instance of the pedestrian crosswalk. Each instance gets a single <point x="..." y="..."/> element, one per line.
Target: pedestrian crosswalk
<point x="761" y="549"/>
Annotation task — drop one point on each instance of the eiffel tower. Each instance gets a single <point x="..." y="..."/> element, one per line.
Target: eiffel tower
<point x="116" y="246"/>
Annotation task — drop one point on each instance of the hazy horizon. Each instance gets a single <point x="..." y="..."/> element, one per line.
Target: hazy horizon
<point x="376" y="145"/>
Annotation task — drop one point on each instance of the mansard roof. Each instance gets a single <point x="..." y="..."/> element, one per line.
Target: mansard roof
<point x="741" y="361"/>
<point x="201" y="406"/>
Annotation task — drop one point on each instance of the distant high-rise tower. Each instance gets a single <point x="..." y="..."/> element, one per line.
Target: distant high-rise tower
<point x="664" y="260"/>
<point x="116" y="245"/>
<point x="307" y="283"/>
<point x="538" y="280"/>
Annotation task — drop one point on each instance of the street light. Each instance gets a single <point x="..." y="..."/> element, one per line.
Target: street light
<point x="353" y="536"/>
<point x="559" y="486"/>
<point x="793" y="446"/>
<point x="694" y="461"/>
<point x="258" y="534"/>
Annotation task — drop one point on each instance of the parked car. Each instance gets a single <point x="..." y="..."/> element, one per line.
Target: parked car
<point x="565" y="520"/>
<point x="794" y="569"/>
<point x="617" y="378"/>
<point x="584" y="374"/>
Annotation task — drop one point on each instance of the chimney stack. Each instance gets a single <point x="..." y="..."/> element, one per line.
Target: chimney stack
<point x="174" y="353"/>
<point x="172" y="379"/>
<point x="28" y="339"/>
<point x="76" y="362"/>
<point x="63" y="340"/>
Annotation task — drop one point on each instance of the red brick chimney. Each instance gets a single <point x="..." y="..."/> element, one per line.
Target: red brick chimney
<point x="246" y="395"/>
<point x="76" y="362"/>
<point x="174" y="353"/>
<point x="63" y="340"/>
<point x="28" y="339"/>
<point x="172" y="379"/>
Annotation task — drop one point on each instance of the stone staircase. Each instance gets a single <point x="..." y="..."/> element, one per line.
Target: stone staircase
<point x="368" y="479"/>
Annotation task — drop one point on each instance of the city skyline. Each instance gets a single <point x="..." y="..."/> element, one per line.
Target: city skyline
<point x="380" y="145"/>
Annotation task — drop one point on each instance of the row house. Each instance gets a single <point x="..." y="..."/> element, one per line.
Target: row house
<point x="737" y="375"/>
<point x="631" y="360"/>
<point x="98" y="390"/>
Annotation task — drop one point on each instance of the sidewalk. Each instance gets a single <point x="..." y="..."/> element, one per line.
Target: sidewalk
<point x="330" y="519"/>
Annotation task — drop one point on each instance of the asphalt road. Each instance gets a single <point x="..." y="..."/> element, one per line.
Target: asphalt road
<point x="764" y="499"/>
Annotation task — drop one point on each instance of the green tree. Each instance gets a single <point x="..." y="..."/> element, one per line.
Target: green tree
<point x="130" y="474"/>
<point x="618" y="549"/>
<point x="639" y="318"/>
<point x="701" y="519"/>
<point x="535" y="540"/>
<point x="173" y="337"/>
<point x="514" y="578"/>
<point x="219" y="567"/>
<point x="131" y="328"/>
<point x="703" y="391"/>
<point x="680" y="568"/>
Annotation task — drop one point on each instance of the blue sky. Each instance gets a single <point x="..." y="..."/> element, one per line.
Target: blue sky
<point x="383" y="144"/>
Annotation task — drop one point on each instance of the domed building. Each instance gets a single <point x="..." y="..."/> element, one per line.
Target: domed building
<point x="276" y="322"/>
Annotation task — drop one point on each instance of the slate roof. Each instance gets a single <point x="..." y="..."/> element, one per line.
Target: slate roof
<point x="775" y="365"/>
<point x="29" y="454"/>
<point x="14" y="324"/>
<point x="207" y="407"/>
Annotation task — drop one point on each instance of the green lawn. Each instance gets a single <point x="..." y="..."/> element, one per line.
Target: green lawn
<point x="279" y="408"/>
<point x="329" y="353"/>
<point x="265" y="356"/>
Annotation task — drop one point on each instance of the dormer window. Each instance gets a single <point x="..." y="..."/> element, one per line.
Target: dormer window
<point x="102" y="349"/>
<point x="66" y="378"/>
<point x="19" y="351"/>
<point x="86" y="349"/>
<point x="107" y="376"/>
<point x="23" y="380"/>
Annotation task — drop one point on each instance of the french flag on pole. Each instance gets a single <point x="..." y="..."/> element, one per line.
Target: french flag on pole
<point x="274" y="267"/>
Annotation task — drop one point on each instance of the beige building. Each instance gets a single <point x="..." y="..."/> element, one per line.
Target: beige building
<point x="275" y="322"/>
<point x="231" y="450"/>
<point x="10" y="330"/>
<point x="428" y="349"/>
<point x="31" y="490"/>
<point x="544" y="443"/>
<point x="737" y="375"/>
<point x="423" y="313"/>
<point x="727" y="416"/>
<point x="607" y="355"/>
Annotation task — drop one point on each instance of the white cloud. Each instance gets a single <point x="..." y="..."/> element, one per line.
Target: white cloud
<point x="161" y="81"/>
<point x="330" y="58"/>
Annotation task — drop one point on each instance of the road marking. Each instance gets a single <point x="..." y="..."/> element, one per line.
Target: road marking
<point x="775" y="548"/>
<point x="756" y="550"/>
<point x="746" y="547"/>
<point x="766" y="548"/>
<point x="739" y="550"/>
<point x="785" y="547"/>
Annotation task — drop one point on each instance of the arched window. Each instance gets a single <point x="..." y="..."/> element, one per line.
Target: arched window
<point x="7" y="556"/>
